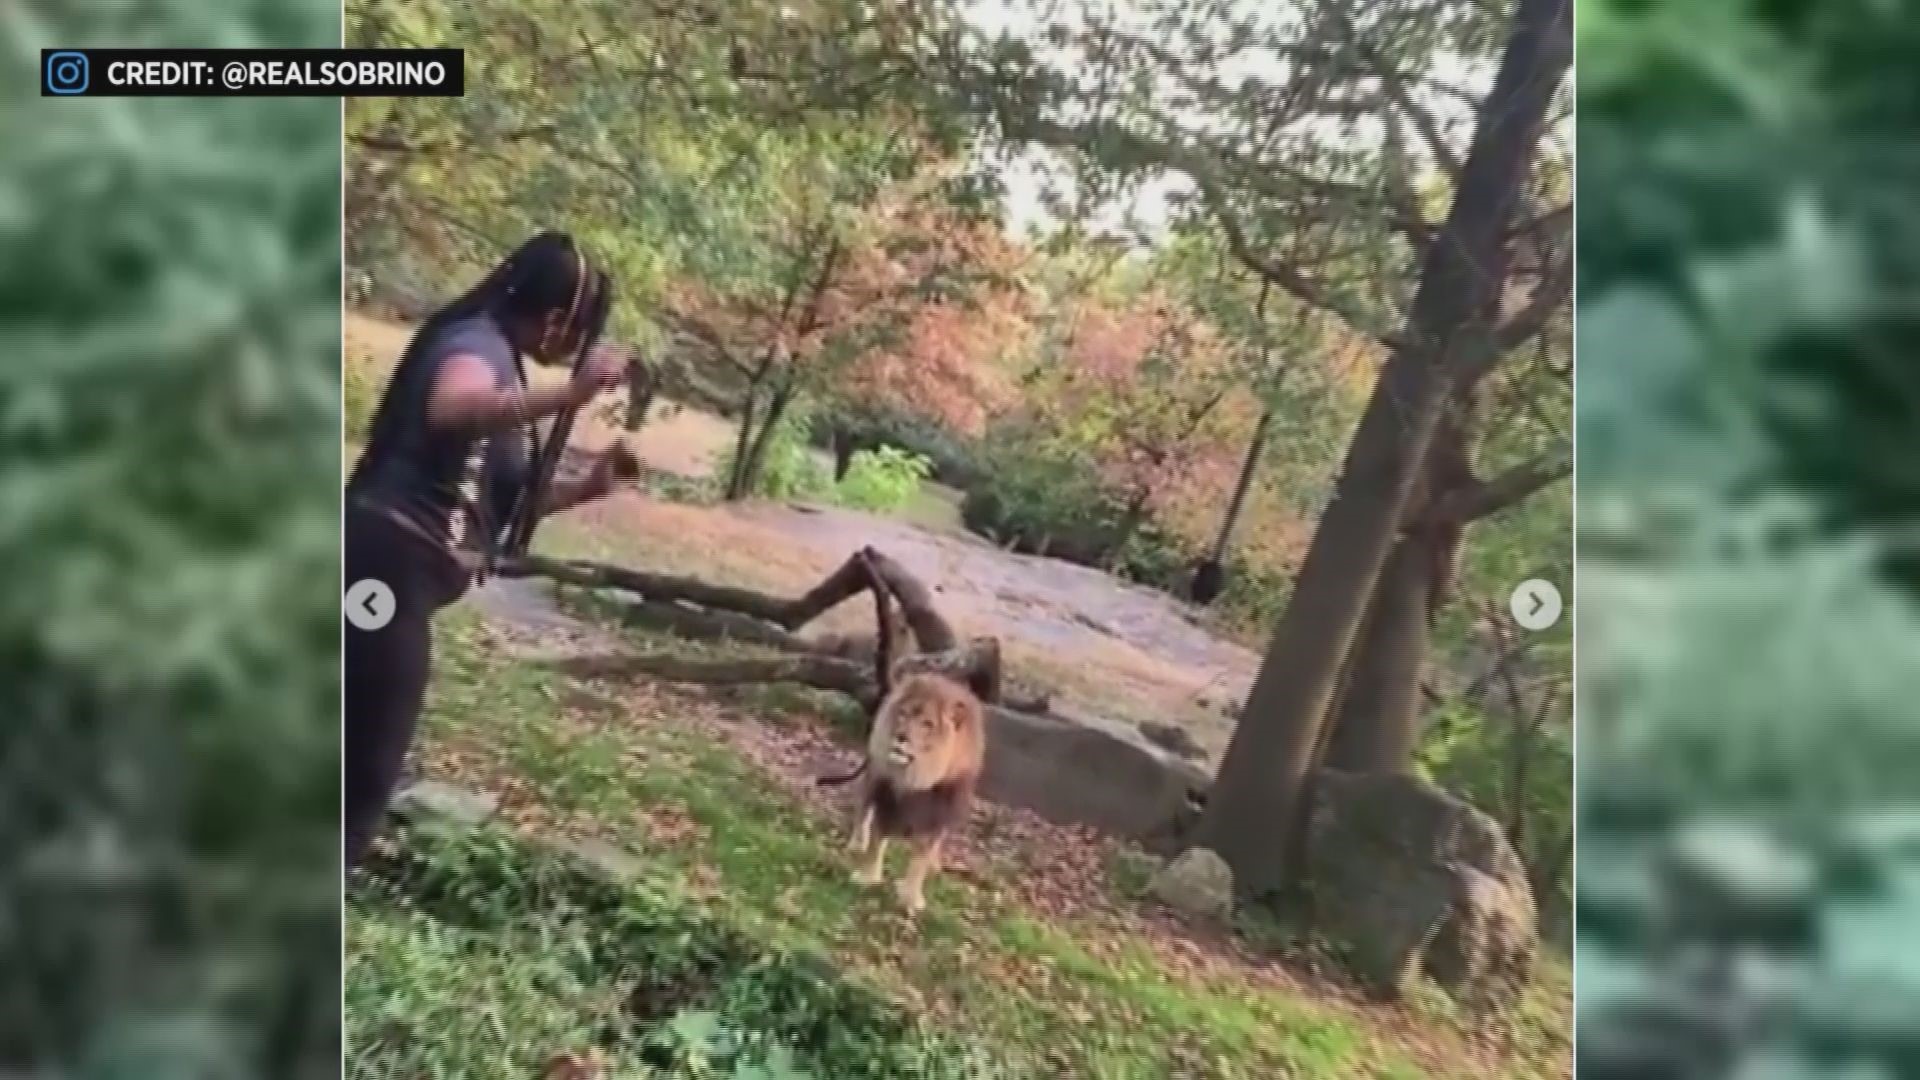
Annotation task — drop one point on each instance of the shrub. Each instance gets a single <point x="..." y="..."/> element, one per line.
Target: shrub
<point x="360" y="387"/>
<point x="788" y="467"/>
<point x="883" y="480"/>
<point x="955" y="461"/>
<point x="641" y="968"/>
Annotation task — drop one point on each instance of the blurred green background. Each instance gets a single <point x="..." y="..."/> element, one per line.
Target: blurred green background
<point x="169" y="491"/>
<point x="1749" y="478"/>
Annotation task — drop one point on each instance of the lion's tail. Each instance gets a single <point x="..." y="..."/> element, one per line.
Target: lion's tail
<point x="836" y="781"/>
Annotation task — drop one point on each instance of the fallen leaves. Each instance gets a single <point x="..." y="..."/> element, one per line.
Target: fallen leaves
<point x="1094" y="973"/>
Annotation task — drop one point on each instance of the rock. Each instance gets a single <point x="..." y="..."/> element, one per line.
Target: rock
<point x="1197" y="883"/>
<point x="602" y="860"/>
<point x="432" y="802"/>
<point x="1174" y="739"/>
<point x="527" y="603"/>
<point x="1405" y="878"/>
<point x="1087" y="771"/>
<point x="1483" y="952"/>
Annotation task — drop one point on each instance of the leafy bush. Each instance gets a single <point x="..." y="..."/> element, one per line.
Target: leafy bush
<point x="882" y="480"/>
<point x="955" y="461"/>
<point x="479" y="956"/>
<point x="1041" y="503"/>
<point x="789" y="468"/>
<point x="360" y="387"/>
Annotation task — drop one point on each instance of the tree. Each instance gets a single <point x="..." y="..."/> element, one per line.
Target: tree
<point x="904" y="303"/>
<point x="1450" y="337"/>
<point x="1376" y="720"/>
<point x="1148" y="390"/>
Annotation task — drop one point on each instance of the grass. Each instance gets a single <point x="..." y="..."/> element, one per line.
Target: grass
<point x="1052" y="997"/>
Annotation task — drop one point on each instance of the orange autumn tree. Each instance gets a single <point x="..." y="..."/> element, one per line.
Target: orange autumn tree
<point x="905" y="305"/>
<point x="1148" y="401"/>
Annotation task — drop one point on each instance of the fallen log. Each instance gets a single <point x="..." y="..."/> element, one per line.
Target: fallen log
<point x="715" y="626"/>
<point x="809" y="669"/>
<point x="659" y="587"/>
<point x="770" y="620"/>
<point x="820" y="672"/>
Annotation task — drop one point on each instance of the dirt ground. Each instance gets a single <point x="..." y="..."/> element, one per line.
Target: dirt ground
<point x="1098" y="644"/>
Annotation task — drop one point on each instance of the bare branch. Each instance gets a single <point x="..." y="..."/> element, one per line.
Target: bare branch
<point x="1484" y="499"/>
<point x="394" y="144"/>
<point x="705" y="335"/>
<point x="1282" y="274"/>
<point x="1395" y="86"/>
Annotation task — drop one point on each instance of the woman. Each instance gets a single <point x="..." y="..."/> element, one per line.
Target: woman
<point x="443" y="469"/>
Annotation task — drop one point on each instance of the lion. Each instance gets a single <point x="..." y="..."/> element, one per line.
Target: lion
<point x="924" y="757"/>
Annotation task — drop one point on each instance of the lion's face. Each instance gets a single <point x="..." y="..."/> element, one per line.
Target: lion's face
<point x="925" y="727"/>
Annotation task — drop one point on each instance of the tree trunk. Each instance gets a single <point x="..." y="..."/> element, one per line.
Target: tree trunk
<point x="1253" y="808"/>
<point x="842" y="453"/>
<point x="757" y="454"/>
<point x="1209" y="575"/>
<point x="1377" y="724"/>
<point x="742" y="443"/>
<point x="1241" y="486"/>
<point x="1131" y="519"/>
<point x="641" y="387"/>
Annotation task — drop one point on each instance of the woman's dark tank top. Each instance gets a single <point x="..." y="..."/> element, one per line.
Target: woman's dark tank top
<point x="454" y="487"/>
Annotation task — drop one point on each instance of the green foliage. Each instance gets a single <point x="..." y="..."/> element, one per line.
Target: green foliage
<point x="1524" y="779"/>
<point x="789" y="468"/>
<point x="360" y="388"/>
<point x="169" y="459"/>
<point x="955" y="460"/>
<point x="478" y="956"/>
<point x="882" y="480"/>
<point x="1037" y="499"/>
<point x="1748" y="750"/>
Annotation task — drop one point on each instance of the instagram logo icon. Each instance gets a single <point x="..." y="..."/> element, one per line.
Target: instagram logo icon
<point x="67" y="73"/>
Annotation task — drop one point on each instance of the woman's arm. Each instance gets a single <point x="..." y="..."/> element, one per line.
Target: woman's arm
<point x="466" y="395"/>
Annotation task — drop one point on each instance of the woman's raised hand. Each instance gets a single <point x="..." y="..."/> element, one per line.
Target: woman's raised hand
<point x="616" y="463"/>
<point x="605" y="369"/>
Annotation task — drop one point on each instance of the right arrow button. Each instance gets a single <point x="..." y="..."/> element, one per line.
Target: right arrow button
<point x="1535" y="604"/>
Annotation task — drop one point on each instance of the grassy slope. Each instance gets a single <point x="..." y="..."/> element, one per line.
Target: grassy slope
<point x="1071" y="994"/>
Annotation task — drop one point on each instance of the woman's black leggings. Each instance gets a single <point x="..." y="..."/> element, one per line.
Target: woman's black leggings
<point x="386" y="669"/>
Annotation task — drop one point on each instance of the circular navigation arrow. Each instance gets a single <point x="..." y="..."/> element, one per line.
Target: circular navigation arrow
<point x="1535" y="604"/>
<point x="369" y="604"/>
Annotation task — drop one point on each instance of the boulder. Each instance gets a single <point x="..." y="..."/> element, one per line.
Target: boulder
<point x="1406" y="878"/>
<point x="430" y="802"/>
<point x="602" y="861"/>
<point x="1483" y="953"/>
<point x="1174" y="739"/>
<point x="1198" y="883"/>
<point x="1087" y="771"/>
